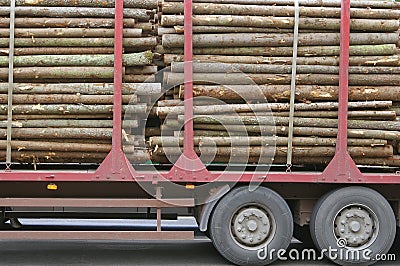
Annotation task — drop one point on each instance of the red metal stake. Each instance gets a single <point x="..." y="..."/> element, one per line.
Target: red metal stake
<point x="342" y="166"/>
<point x="116" y="165"/>
<point x="189" y="164"/>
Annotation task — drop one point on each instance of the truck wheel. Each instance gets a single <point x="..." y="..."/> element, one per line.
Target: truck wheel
<point x="355" y="224"/>
<point x="246" y="223"/>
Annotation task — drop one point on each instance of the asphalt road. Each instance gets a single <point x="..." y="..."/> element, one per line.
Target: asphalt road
<point x="197" y="252"/>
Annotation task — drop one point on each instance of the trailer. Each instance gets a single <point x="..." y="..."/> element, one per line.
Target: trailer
<point x="249" y="213"/>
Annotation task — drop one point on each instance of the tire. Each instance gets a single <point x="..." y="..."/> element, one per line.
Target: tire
<point x="357" y="221"/>
<point x="229" y="214"/>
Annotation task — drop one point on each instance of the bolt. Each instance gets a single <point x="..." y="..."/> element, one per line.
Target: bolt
<point x="342" y="230"/>
<point x="343" y="222"/>
<point x="367" y="231"/>
<point x="239" y="229"/>
<point x="355" y="240"/>
<point x="348" y="215"/>
<point x="264" y="232"/>
<point x="251" y="240"/>
<point x="259" y="237"/>
<point x="244" y="236"/>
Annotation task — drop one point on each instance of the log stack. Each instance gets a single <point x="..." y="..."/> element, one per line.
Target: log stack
<point x="63" y="73"/>
<point x="243" y="52"/>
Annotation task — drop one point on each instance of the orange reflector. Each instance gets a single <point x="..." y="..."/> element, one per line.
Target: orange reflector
<point x="189" y="186"/>
<point x="52" y="186"/>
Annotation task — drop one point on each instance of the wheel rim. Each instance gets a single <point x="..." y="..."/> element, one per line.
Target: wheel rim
<point x="252" y="226"/>
<point x="356" y="226"/>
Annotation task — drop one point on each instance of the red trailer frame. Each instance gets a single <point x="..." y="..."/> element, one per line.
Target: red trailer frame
<point x="189" y="168"/>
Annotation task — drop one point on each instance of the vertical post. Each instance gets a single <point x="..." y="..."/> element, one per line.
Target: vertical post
<point x="118" y="71"/>
<point x="341" y="144"/>
<point x="10" y="83"/>
<point x="158" y="196"/>
<point x="188" y="145"/>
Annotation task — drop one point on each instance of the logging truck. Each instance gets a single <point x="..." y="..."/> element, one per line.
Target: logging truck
<point x="264" y="120"/>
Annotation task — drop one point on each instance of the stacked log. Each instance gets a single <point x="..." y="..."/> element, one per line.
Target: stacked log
<point x="63" y="69"/>
<point x="243" y="60"/>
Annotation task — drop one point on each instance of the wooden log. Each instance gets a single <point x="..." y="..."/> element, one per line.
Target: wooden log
<point x="145" y="70"/>
<point x="374" y="25"/>
<point x="145" y="89"/>
<point x="65" y="99"/>
<point x="68" y="109"/>
<point x="68" y="123"/>
<point x="136" y="59"/>
<point x="145" y="43"/>
<point x="146" y="4"/>
<point x="277" y="40"/>
<point x="355" y="50"/>
<point x="260" y="141"/>
<point x="59" y="51"/>
<point x="47" y="22"/>
<point x="139" y="78"/>
<point x="75" y="12"/>
<point x="284" y="121"/>
<point x="221" y="29"/>
<point x="68" y="33"/>
<point x="63" y="133"/>
<point x="277" y="11"/>
<point x="262" y="107"/>
<point x="44" y="117"/>
<point x="55" y="157"/>
<point x="303" y="92"/>
<point x="318" y="3"/>
<point x="392" y="60"/>
<point x="57" y="73"/>
<point x="174" y="79"/>
<point x="280" y="151"/>
<point x="55" y="146"/>
<point x="200" y="67"/>
<point x="355" y="115"/>
<point x="298" y="131"/>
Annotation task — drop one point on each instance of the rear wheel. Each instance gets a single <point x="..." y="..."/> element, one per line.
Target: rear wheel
<point x="244" y="223"/>
<point x="357" y="221"/>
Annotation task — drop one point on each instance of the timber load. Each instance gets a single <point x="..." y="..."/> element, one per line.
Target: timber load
<point x="243" y="81"/>
<point x="250" y="56"/>
<point x="63" y="69"/>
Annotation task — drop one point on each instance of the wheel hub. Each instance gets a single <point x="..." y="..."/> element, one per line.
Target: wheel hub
<point x="355" y="225"/>
<point x="251" y="226"/>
